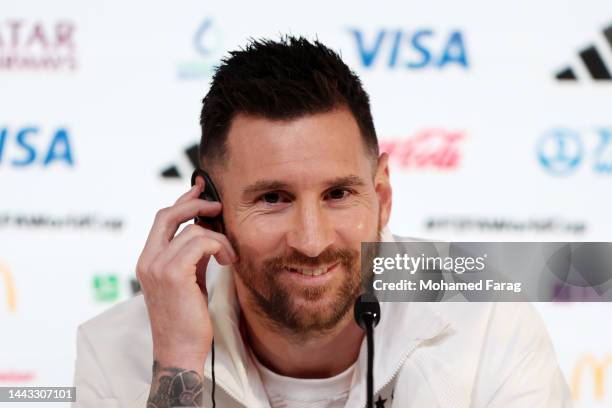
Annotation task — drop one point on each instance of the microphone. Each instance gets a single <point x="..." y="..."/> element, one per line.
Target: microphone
<point x="367" y="310"/>
<point x="367" y="316"/>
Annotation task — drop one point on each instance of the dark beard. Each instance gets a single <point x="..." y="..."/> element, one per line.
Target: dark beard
<point x="272" y="299"/>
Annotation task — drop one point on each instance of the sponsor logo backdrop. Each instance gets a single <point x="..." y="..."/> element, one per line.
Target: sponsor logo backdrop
<point x="496" y="117"/>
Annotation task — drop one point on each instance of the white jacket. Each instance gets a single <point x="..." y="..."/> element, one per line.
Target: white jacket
<point x="426" y="355"/>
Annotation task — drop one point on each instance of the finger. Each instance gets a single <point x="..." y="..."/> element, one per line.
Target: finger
<point x="192" y="231"/>
<point x="197" y="250"/>
<point x="167" y="221"/>
<point x="227" y="246"/>
<point x="194" y="192"/>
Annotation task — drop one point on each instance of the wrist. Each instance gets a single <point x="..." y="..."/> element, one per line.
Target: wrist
<point x="183" y="359"/>
<point x="175" y="385"/>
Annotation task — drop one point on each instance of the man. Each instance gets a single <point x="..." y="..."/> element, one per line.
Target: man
<point x="288" y="138"/>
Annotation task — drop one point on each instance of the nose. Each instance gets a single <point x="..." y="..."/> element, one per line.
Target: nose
<point x="312" y="230"/>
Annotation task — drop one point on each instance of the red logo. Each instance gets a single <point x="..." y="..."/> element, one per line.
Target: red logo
<point x="427" y="149"/>
<point x="17" y="376"/>
<point x="37" y="46"/>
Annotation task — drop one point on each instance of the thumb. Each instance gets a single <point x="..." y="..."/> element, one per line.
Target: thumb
<point x="201" y="268"/>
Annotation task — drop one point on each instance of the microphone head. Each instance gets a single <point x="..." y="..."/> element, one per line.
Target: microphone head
<point x="367" y="309"/>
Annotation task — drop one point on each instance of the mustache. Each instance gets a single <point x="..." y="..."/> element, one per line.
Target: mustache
<point x="297" y="259"/>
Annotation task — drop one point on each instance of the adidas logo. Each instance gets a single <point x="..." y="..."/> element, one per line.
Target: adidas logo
<point x="593" y="60"/>
<point x="185" y="166"/>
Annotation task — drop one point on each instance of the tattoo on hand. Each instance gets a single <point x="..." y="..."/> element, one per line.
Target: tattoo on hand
<point x="174" y="387"/>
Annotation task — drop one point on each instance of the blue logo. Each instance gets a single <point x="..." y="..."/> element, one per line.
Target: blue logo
<point x="413" y="50"/>
<point x="561" y="150"/>
<point x="31" y="146"/>
<point x="603" y="151"/>
<point x="206" y="43"/>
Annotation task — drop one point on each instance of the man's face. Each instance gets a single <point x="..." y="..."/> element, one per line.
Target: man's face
<point x="299" y="197"/>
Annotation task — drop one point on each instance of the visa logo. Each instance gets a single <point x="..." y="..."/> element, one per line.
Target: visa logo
<point x="411" y="50"/>
<point x="28" y="146"/>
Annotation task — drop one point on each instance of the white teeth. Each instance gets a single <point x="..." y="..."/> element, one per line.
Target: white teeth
<point x="309" y="272"/>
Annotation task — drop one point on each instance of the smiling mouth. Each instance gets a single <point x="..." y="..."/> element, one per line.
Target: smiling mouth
<point x="321" y="270"/>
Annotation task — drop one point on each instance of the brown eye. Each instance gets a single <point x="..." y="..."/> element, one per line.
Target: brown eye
<point x="271" y="198"/>
<point x="338" y="194"/>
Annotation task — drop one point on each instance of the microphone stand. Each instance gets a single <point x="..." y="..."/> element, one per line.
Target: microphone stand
<point x="367" y="316"/>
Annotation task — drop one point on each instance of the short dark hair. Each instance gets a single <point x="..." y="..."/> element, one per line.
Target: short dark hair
<point x="280" y="80"/>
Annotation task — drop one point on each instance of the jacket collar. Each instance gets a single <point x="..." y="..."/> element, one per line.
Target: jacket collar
<point x="237" y="375"/>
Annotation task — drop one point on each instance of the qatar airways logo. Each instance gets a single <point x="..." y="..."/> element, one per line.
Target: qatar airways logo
<point x="31" y="45"/>
<point x="436" y="149"/>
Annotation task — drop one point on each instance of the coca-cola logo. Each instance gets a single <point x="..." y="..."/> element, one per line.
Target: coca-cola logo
<point x="427" y="149"/>
<point x="37" y="45"/>
<point x="17" y="376"/>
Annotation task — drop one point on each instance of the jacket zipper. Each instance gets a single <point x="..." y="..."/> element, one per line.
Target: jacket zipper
<point x="226" y="391"/>
<point x="397" y="370"/>
<point x="395" y="373"/>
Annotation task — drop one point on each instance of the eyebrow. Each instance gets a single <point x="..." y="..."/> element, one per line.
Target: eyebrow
<point x="269" y="185"/>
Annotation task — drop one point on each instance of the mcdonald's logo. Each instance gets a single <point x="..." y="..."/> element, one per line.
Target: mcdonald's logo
<point x="598" y="369"/>
<point x="6" y="277"/>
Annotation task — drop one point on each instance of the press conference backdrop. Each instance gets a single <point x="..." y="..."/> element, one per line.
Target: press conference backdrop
<point x="497" y="117"/>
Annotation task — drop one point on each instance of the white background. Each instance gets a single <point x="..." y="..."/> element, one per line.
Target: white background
<point x="130" y="115"/>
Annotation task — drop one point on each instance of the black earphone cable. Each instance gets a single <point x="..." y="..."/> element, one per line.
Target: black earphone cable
<point x="370" y="374"/>
<point x="212" y="364"/>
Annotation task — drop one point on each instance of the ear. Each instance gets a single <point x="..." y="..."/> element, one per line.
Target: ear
<point x="382" y="185"/>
